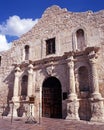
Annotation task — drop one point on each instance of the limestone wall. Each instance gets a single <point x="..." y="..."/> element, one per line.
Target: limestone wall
<point x="62" y="25"/>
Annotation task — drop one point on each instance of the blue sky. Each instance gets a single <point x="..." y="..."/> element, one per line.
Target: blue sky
<point x="19" y="16"/>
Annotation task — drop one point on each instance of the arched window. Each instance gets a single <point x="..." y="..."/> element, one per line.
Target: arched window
<point x="26" y="52"/>
<point x="80" y="39"/>
<point x="24" y="86"/>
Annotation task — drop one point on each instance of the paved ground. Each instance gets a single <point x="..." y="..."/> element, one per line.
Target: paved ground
<point x="49" y="124"/>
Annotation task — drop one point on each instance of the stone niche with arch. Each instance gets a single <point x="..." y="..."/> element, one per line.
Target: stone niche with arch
<point x="26" y="50"/>
<point x="83" y="78"/>
<point x="23" y="89"/>
<point x="83" y="88"/>
<point x="84" y="93"/>
<point x="79" y="40"/>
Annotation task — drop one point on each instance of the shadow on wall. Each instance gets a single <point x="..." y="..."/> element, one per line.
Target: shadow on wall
<point x="5" y="106"/>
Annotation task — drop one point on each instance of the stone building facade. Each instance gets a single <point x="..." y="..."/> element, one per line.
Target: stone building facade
<point x="58" y="64"/>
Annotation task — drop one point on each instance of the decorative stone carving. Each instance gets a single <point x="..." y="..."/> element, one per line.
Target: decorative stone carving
<point x="97" y="105"/>
<point x="16" y="98"/>
<point x="50" y="70"/>
<point x="72" y="110"/>
<point x="72" y="90"/>
<point x="97" y="109"/>
<point x="72" y="102"/>
<point x="30" y="80"/>
<point x="16" y="85"/>
<point x="94" y="76"/>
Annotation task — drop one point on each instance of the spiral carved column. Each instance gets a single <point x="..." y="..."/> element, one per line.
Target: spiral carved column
<point x="97" y="106"/>
<point x="16" y="98"/>
<point x="30" y="81"/>
<point x="72" y="102"/>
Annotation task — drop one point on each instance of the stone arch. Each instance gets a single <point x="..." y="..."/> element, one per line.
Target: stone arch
<point x="80" y="36"/>
<point x="78" y="66"/>
<point x="79" y="39"/>
<point x="51" y="98"/>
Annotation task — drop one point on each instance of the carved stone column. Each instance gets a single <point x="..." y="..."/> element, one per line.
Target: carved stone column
<point x="16" y="98"/>
<point x="30" y="93"/>
<point x="94" y="75"/>
<point x="16" y="85"/>
<point x="72" y="102"/>
<point x="97" y="106"/>
<point x="30" y="81"/>
<point x="72" y="92"/>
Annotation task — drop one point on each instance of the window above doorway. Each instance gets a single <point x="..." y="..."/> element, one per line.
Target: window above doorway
<point x="50" y="46"/>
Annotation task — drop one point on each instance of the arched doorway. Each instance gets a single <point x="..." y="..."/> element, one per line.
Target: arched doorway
<point x="51" y="98"/>
<point x="84" y="94"/>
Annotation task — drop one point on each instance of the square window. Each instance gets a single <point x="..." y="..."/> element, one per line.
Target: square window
<point x="50" y="46"/>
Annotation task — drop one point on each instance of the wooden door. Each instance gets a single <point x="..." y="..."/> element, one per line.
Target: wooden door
<point x="46" y="102"/>
<point x="52" y="102"/>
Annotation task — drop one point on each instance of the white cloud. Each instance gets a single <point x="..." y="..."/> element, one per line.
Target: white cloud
<point x="4" y="45"/>
<point x="15" y="26"/>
